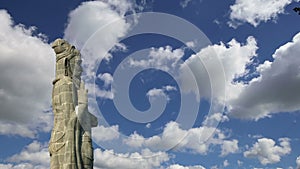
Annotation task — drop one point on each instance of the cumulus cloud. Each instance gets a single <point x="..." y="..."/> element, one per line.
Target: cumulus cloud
<point x="147" y="159"/>
<point x="94" y="27"/>
<point x="105" y="91"/>
<point x="34" y="154"/>
<point x="22" y="166"/>
<point x="18" y="129"/>
<point x="256" y="11"/>
<point x="196" y="140"/>
<point x="267" y="152"/>
<point x="275" y="89"/>
<point x="102" y="93"/>
<point x="177" y="166"/>
<point x="164" y="58"/>
<point x="27" y="70"/>
<point x="106" y="78"/>
<point x="99" y="14"/>
<point x="152" y="93"/>
<point x="229" y="146"/>
<point x="120" y="6"/>
<point x="135" y="140"/>
<point x="254" y="100"/>
<point x="212" y="81"/>
<point x="215" y="118"/>
<point x="155" y="92"/>
<point x="205" y="66"/>
<point x="190" y="44"/>
<point x="101" y="133"/>
<point x="234" y="56"/>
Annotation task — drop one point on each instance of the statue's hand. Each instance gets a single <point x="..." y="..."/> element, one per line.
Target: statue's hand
<point x="82" y="94"/>
<point x="86" y="119"/>
<point x="81" y="107"/>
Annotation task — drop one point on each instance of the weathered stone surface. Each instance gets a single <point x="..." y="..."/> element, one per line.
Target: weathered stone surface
<point x="70" y="144"/>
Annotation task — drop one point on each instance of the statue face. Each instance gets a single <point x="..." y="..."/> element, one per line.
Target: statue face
<point x="59" y="46"/>
<point x="58" y="49"/>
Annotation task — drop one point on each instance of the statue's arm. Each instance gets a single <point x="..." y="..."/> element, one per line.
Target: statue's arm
<point x="82" y="109"/>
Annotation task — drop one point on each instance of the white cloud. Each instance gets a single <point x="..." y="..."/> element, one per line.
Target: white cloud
<point x="101" y="133"/>
<point x="155" y="92"/>
<point x="298" y="162"/>
<point x="229" y="146"/>
<point x="34" y="154"/>
<point x="275" y="89"/>
<point x="22" y="166"/>
<point x="93" y="23"/>
<point x="103" y="20"/>
<point x="215" y="117"/>
<point x="164" y="58"/>
<point x="169" y="88"/>
<point x="184" y="3"/>
<point x="135" y="140"/>
<point x="267" y="152"/>
<point x="152" y="93"/>
<point x="190" y="44"/>
<point x="108" y="159"/>
<point x="99" y="14"/>
<point x="225" y="163"/>
<point x="18" y="129"/>
<point x="107" y="92"/>
<point x="256" y="11"/>
<point x="256" y="136"/>
<point x="26" y="72"/>
<point x="120" y="6"/>
<point x="106" y="78"/>
<point x="177" y="166"/>
<point x="234" y="57"/>
<point x="195" y="140"/>
<point x="253" y="100"/>
<point x="272" y="92"/>
<point x="214" y="167"/>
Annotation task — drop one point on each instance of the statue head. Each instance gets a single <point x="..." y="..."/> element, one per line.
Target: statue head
<point x="60" y="46"/>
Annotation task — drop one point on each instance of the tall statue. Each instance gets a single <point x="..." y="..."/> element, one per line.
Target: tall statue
<point x="70" y="144"/>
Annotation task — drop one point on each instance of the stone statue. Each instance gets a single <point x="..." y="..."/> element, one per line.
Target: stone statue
<point x="70" y="144"/>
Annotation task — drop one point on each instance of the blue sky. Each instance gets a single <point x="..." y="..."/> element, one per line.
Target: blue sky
<point x="181" y="84"/>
